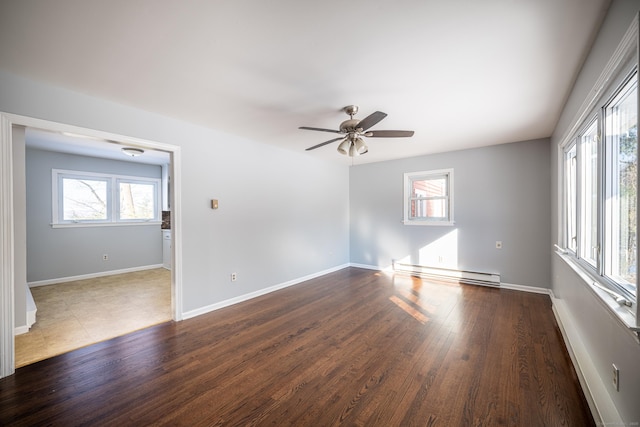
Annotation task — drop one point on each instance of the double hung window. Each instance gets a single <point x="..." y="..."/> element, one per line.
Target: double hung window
<point x="428" y="197"/>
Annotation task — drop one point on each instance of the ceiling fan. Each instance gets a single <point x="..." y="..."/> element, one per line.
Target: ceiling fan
<point x="353" y="130"/>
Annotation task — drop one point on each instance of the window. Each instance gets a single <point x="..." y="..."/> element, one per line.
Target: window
<point x="621" y="125"/>
<point x="85" y="198"/>
<point x="588" y="160"/>
<point x="571" y="188"/>
<point x="137" y="200"/>
<point x="428" y="197"/>
<point x="600" y="189"/>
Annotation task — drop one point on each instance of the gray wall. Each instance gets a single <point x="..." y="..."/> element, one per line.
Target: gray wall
<point x="54" y="253"/>
<point x="606" y="341"/>
<point x="501" y="193"/>
<point x="283" y="215"/>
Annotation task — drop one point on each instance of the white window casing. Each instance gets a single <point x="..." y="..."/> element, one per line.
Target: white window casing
<point x="428" y="198"/>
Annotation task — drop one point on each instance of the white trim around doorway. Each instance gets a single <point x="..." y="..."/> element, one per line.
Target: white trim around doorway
<point x="7" y="251"/>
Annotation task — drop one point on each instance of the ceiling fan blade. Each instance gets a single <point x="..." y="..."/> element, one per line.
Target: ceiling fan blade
<point x="320" y="129"/>
<point x="389" y="133"/>
<point x="324" y="143"/>
<point x="371" y="120"/>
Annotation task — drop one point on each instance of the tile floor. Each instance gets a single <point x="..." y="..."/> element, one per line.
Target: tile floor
<point x="75" y="314"/>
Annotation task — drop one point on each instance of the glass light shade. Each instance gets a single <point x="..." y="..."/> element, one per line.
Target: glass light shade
<point x="360" y="146"/>
<point x="353" y="151"/>
<point x="343" y="148"/>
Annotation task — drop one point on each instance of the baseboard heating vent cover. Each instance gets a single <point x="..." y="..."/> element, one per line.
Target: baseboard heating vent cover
<point x="461" y="276"/>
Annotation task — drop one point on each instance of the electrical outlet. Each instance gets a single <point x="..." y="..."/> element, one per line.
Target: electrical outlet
<point x="105" y="257"/>
<point x="498" y="244"/>
<point x="234" y="277"/>
<point x="616" y="377"/>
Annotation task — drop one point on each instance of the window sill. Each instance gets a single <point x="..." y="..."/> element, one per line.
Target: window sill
<point x="623" y="314"/>
<point x="436" y="223"/>
<point x="104" y="224"/>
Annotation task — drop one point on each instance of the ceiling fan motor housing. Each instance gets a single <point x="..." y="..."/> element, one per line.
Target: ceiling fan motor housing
<point x="349" y="125"/>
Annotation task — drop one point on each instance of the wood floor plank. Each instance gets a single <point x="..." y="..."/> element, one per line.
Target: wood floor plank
<point x="355" y="347"/>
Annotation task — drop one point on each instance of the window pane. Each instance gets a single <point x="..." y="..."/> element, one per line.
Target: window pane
<point x="429" y="198"/>
<point x="84" y="199"/>
<point x="137" y="201"/>
<point x="572" y="200"/>
<point x="429" y="209"/>
<point x="432" y="187"/>
<point x="589" y="195"/>
<point x="622" y="138"/>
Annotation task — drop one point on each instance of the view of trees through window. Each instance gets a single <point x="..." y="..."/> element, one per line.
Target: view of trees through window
<point x="601" y="190"/>
<point x="84" y="199"/>
<point x="136" y="201"/>
<point x="622" y="136"/>
<point x="104" y="198"/>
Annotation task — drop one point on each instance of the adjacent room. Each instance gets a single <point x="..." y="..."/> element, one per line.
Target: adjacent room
<point x="285" y="213"/>
<point x="109" y="280"/>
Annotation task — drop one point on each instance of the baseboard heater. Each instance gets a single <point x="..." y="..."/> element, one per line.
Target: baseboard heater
<point x="460" y="276"/>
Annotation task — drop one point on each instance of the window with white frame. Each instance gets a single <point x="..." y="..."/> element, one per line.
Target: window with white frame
<point x="600" y="188"/>
<point x="86" y="198"/>
<point x="428" y="197"/>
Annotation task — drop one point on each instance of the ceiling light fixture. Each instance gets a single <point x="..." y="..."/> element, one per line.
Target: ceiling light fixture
<point x="352" y="146"/>
<point x="343" y="148"/>
<point x="133" y="152"/>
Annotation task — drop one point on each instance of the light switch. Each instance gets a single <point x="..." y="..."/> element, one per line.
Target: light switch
<point x="214" y="204"/>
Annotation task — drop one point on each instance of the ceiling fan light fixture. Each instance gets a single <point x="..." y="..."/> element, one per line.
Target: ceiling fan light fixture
<point x="133" y="152"/>
<point x="343" y="148"/>
<point x="360" y="145"/>
<point x="354" y="130"/>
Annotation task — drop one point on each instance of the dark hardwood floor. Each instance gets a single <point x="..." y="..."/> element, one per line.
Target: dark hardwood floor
<point x="355" y="347"/>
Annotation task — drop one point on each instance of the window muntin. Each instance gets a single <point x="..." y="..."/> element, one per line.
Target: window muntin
<point x="428" y="197"/>
<point x="86" y="198"/>
<point x="621" y="127"/>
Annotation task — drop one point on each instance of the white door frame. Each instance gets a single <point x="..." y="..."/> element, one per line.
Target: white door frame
<point x="7" y="267"/>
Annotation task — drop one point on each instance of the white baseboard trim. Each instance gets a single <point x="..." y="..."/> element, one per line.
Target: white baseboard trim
<point x="525" y="288"/>
<point x="31" y="315"/>
<point x="241" y="298"/>
<point x="595" y="391"/>
<point x="92" y="275"/>
<point x="371" y="267"/>
<point x="19" y="330"/>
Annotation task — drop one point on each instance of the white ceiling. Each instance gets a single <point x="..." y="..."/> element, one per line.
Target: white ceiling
<point x="461" y="73"/>
<point x="86" y="146"/>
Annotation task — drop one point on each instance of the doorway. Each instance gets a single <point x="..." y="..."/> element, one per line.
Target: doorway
<point x="11" y="261"/>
